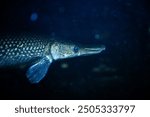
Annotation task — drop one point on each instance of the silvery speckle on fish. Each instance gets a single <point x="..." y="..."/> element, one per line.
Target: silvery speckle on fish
<point x="38" y="51"/>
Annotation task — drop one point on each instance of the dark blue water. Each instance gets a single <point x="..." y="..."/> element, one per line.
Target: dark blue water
<point x="120" y="72"/>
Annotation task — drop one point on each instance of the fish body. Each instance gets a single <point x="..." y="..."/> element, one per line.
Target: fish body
<point x="38" y="51"/>
<point x="19" y="48"/>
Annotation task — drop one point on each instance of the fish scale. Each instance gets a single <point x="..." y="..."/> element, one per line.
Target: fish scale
<point x="18" y="48"/>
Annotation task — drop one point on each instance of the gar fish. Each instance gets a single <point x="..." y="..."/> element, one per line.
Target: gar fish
<point x="38" y="51"/>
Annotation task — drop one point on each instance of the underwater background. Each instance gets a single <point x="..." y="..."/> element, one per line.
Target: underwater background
<point x="122" y="71"/>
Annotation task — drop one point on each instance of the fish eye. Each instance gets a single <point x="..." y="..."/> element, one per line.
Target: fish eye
<point x="76" y="49"/>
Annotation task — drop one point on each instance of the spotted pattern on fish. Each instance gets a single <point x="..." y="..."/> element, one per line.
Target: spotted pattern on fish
<point x="21" y="47"/>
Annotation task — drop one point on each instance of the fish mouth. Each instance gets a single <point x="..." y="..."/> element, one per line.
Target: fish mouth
<point x="95" y="50"/>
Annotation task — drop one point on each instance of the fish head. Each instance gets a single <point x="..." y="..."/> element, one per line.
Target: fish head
<point x="67" y="50"/>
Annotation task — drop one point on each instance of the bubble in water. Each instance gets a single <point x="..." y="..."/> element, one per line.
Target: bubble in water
<point x="34" y="16"/>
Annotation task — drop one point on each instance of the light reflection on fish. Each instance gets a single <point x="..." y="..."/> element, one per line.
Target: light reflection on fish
<point x="38" y="51"/>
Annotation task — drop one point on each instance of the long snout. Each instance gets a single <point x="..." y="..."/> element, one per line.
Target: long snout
<point x="92" y="50"/>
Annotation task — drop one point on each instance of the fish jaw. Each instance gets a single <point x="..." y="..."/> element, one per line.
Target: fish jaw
<point x="91" y="50"/>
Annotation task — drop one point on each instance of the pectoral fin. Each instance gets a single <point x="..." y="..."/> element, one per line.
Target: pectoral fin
<point x="38" y="71"/>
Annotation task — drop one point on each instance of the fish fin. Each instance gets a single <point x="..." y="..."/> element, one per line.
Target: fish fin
<point x="38" y="71"/>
